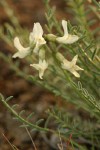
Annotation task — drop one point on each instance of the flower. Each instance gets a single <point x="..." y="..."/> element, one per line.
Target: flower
<point x="22" y="52"/>
<point x="67" y="38"/>
<point x="36" y="36"/>
<point x="35" y="39"/>
<point x="69" y="65"/>
<point x="41" y="67"/>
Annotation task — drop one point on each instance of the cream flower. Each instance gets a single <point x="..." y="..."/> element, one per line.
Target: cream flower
<point x="35" y="39"/>
<point x="22" y="52"/>
<point x="69" y="65"/>
<point x="41" y="67"/>
<point x="67" y="38"/>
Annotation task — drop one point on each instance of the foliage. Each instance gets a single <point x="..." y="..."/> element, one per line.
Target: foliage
<point x="81" y="92"/>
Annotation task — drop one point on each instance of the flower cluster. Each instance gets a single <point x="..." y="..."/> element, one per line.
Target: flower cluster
<point x="36" y="43"/>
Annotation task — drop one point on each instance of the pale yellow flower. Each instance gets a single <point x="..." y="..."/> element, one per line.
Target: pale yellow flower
<point x="22" y="51"/>
<point x="67" y="38"/>
<point x="35" y="39"/>
<point x="41" y="67"/>
<point x="69" y="65"/>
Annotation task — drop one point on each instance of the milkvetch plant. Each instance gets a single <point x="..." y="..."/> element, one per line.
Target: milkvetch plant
<point x="68" y="55"/>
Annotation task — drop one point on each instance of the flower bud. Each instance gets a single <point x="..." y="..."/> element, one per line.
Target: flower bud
<point x="60" y="57"/>
<point x="51" y="37"/>
<point x="42" y="54"/>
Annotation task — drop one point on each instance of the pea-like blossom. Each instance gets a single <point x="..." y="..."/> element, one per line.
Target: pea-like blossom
<point x="70" y="65"/>
<point x="35" y="38"/>
<point x="41" y="67"/>
<point x="22" y="51"/>
<point x="66" y="38"/>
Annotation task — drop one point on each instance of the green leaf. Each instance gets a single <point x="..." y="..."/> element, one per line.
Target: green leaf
<point x="14" y="106"/>
<point x="96" y="3"/>
<point x="34" y="130"/>
<point x="93" y="55"/>
<point x="39" y="121"/>
<point x="79" y="85"/>
<point x="22" y="112"/>
<point x="85" y="92"/>
<point x="29" y="116"/>
<point x="32" y="78"/>
<point x="47" y="121"/>
<point x="2" y="97"/>
<point x="9" y="98"/>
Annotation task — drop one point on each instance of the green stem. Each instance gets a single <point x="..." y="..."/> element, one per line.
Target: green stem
<point x="22" y="119"/>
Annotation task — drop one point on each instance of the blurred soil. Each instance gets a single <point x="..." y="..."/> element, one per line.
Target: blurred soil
<point x="28" y="96"/>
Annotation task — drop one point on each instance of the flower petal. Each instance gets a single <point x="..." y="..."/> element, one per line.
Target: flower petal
<point x="36" y="66"/>
<point x="21" y="54"/>
<point x="62" y="39"/>
<point x="31" y="37"/>
<point x="44" y="64"/>
<point x="41" y="72"/>
<point x="16" y="55"/>
<point x="66" y="65"/>
<point x="78" y="68"/>
<point x="74" y="60"/>
<point x="71" y="39"/>
<point x="37" y="30"/>
<point x="36" y="48"/>
<point x="18" y="45"/>
<point x="76" y="74"/>
<point x="36" y="33"/>
<point x="67" y="40"/>
<point x="64" y="24"/>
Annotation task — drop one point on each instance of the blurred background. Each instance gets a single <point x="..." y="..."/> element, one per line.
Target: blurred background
<point x="29" y="96"/>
